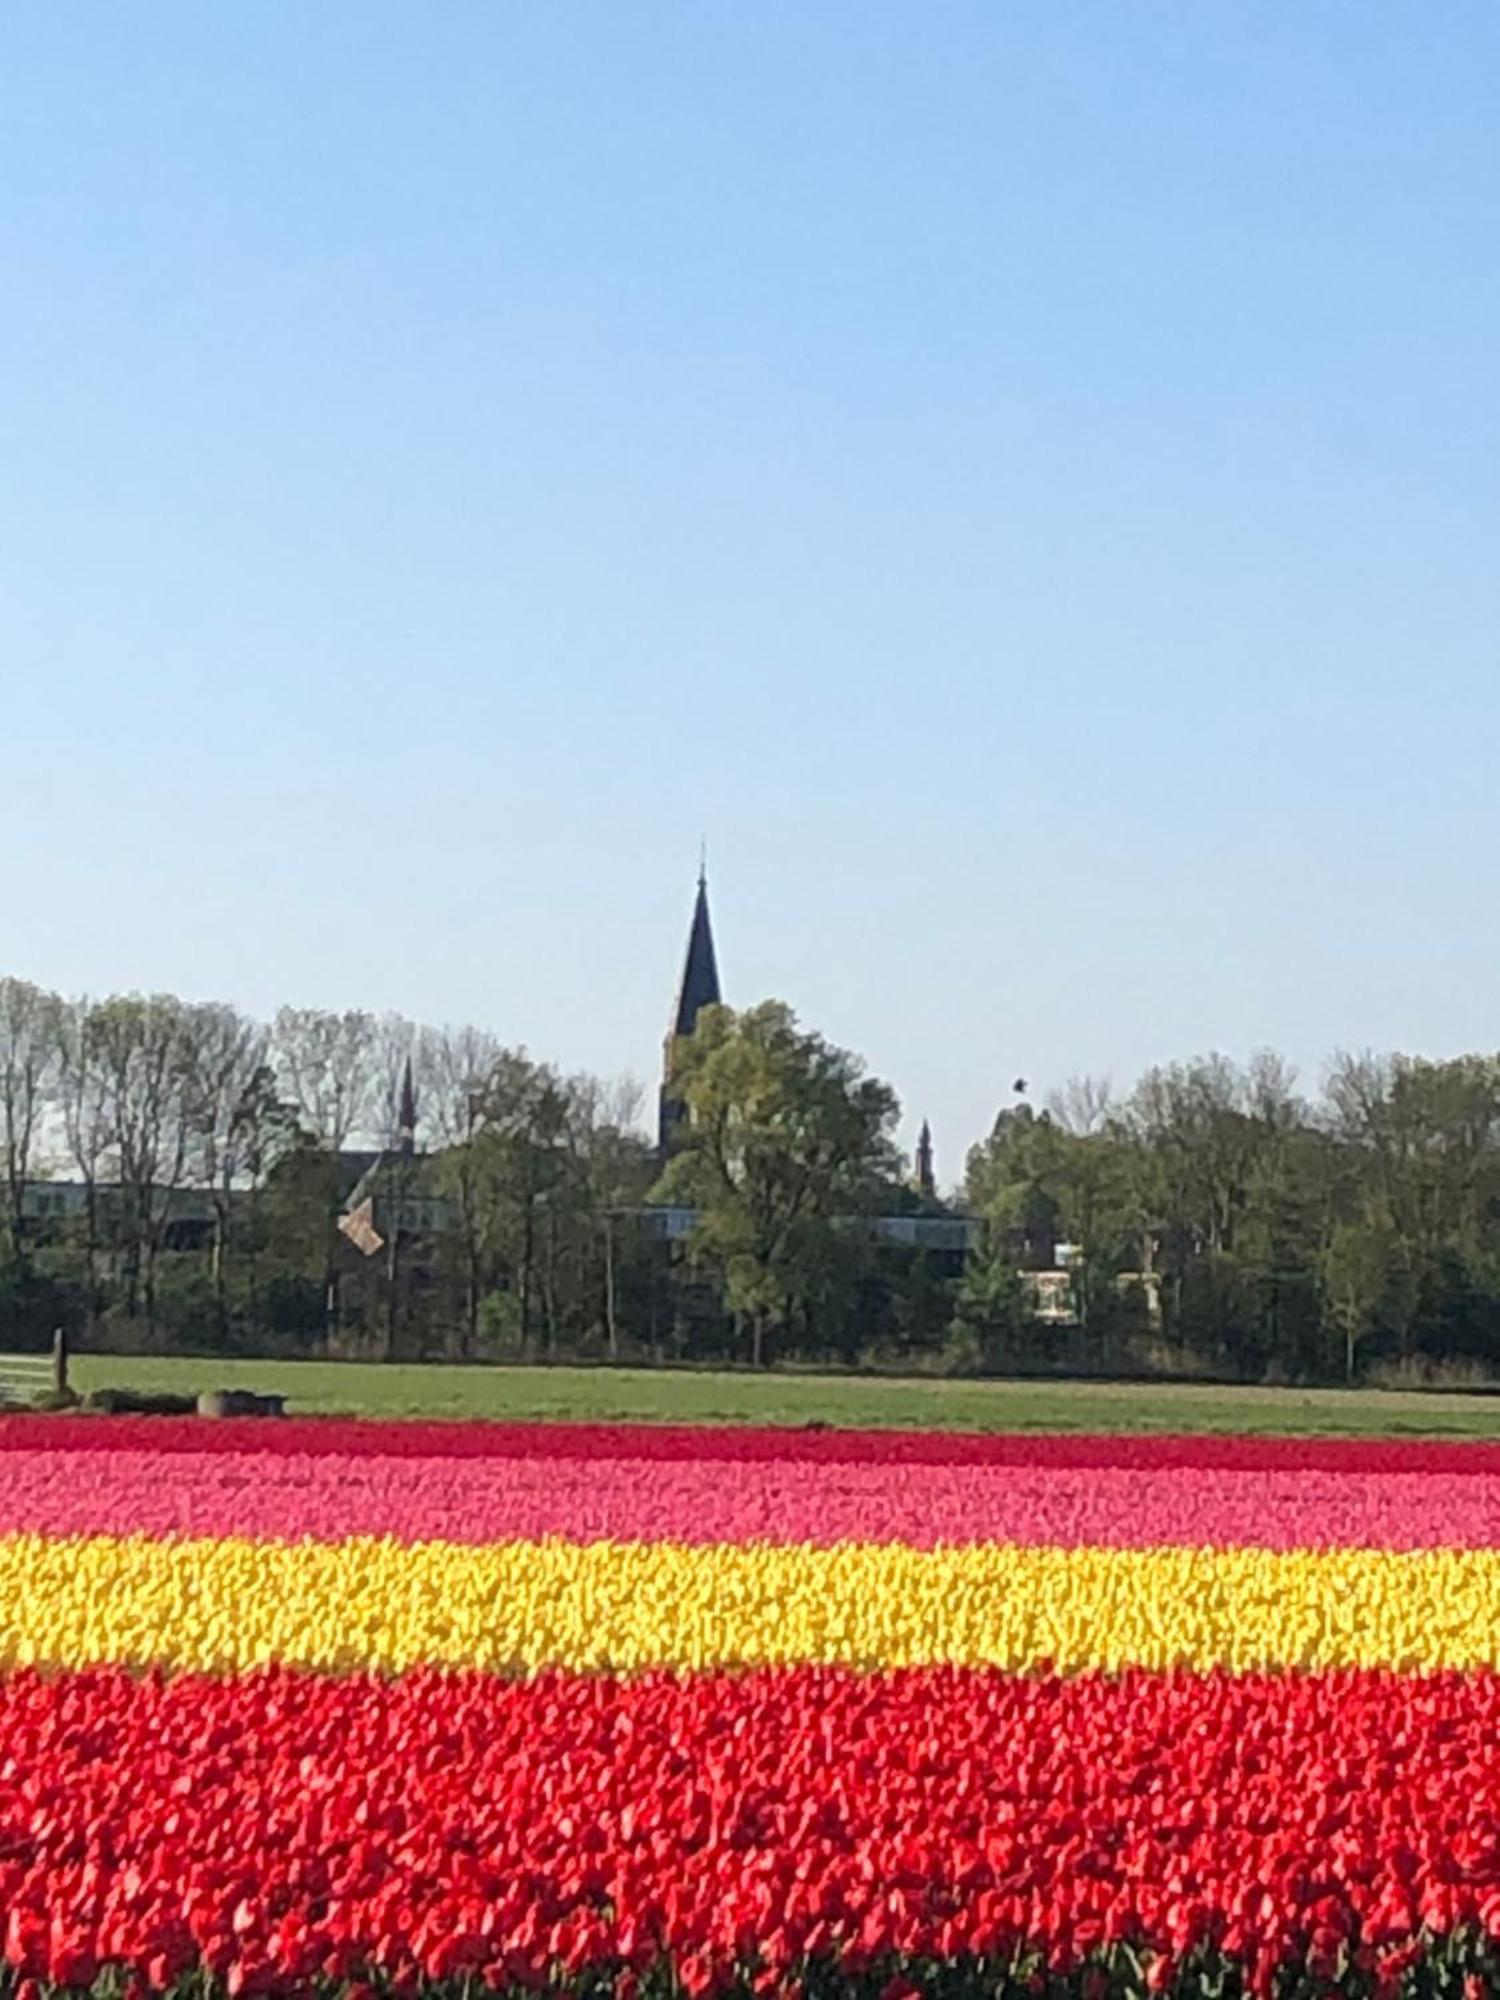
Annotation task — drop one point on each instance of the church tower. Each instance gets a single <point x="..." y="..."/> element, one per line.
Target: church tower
<point x="699" y="989"/>
<point x="926" y="1178"/>
<point x="406" y="1115"/>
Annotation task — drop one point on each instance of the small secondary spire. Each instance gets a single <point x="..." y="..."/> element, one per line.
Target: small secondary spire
<point x="406" y="1116"/>
<point x="926" y="1178"/>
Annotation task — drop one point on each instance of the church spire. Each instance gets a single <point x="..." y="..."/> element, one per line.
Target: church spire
<point x="700" y="968"/>
<point x="926" y="1178"/>
<point x="406" y="1116"/>
<point x="699" y="988"/>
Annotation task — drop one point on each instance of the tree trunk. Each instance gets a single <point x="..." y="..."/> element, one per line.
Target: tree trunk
<point x="149" y="1284"/>
<point x="330" y="1261"/>
<point x="132" y="1270"/>
<point x="252" y="1255"/>
<point x="392" y="1291"/>
<point x="91" y="1252"/>
<point x="611" y="1326"/>
<point x="528" y="1251"/>
<point x="221" y="1296"/>
<point x="549" y="1289"/>
<point x="471" y="1301"/>
<point x="18" y="1223"/>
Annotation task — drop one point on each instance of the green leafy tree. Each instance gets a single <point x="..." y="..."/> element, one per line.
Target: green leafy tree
<point x="784" y="1137"/>
<point x="1070" y="1174"/>
<point x="1356" y="1271"/>
<point x="505" y="1171"/>
<point x="237" y="1127"/>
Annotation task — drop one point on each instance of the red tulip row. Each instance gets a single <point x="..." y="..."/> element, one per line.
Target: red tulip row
<point x="747" y="1444"/>
<point x="808" y="1829"/>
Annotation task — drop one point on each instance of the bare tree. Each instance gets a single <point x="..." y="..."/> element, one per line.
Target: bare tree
<point x="230" y="1095"/>
<point x="527" y="1114"/>
<point x="1271" y="1091"/>
<point x="453" y="1067"/>
<point x="30" y="1058"/>
<point x="1084" y="1105"/>
<point x="454" y="1071"/>
<point x="85" y="1122"/>
<point x="1195" y="1118"/>
<point x="616" y="1167"/>
<point x="502" y="1118"/>
<point x="324" y="1064"/>
<point x="395" y="1045"/>
<point x="143" y="1046"/>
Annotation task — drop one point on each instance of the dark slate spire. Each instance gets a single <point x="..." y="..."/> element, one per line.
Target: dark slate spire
<point x="699" y="989"/>
<point x="926" y="1179"/>
<point x="700" y="969"/>
<point x="406" y="1117"/>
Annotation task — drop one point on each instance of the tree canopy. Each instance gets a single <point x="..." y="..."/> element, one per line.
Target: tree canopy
<point x="177" y="1174"/>
<point x="784" y="1137"/>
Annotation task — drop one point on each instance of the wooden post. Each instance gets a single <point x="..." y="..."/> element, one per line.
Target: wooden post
<point x="60" y="1361"/>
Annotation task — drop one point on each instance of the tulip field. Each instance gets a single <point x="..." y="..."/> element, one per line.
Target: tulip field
<point x="355" y="1709"/>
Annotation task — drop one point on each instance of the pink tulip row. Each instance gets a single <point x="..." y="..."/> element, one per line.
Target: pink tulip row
<point x="286" y="1496"/>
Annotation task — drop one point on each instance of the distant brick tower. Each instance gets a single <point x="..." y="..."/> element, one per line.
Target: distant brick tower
<point x="699" y="989"/>
<point x="926" y="1179"/>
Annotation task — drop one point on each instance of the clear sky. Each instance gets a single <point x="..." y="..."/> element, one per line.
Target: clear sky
<point x="1023" y="480"/>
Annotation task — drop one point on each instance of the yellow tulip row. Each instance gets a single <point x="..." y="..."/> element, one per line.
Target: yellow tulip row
<point x="518" y="1607"/>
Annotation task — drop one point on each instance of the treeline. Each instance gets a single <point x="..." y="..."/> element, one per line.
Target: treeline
<point x="179" y="1175"/>
<point x="1240" y="1225"/>
<point x="175" y="1174"/>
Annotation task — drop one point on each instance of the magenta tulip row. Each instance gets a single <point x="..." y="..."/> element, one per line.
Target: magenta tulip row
<point x="286" y="1496"/>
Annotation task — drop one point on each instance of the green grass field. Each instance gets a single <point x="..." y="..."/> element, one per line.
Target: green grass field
<point x="598" y="1394"/>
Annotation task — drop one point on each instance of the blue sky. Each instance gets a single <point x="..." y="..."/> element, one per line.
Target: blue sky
<point x="1021" y="479"/>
